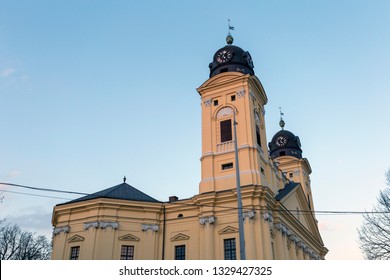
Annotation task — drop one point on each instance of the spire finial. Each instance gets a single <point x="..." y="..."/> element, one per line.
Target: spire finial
<point x="124" y="179"/>
<point x="229" y="37"/>
<point x="281" y="122"/>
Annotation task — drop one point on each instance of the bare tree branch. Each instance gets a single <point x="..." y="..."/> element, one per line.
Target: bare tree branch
<point x="374" y="234"/>
<point x="16" y="244"/>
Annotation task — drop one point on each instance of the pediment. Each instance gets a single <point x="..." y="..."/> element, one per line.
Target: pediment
<point x="296" y="202"/>
<point x="128" y="237"/>
<point x="179" y="237"/>
<point x="228" y="229"/>
<point x="221" y="79"/>
<point x="76" y="238"/>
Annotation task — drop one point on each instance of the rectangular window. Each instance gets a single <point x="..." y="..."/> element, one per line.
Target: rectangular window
<point x="180" y="252"/>
<point x="227" y="166"/>
<point x="74" y="253"/>
<point x="216" y="102"/>
<point x="230" y="249"/>
<point x="233" y="98"/>
<point x="258" y="135"/>
<point x="127" y="252"/>
<point x="226" y="131"/>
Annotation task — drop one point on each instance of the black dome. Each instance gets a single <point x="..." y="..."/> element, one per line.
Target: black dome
<point x="231" y="59"/>
<point x="285" y="143"/>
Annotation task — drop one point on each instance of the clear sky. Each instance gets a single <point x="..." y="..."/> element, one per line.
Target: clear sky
<point x="91" y="91"/>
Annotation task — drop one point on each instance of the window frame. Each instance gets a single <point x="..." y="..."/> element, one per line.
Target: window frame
<point x="258" y="135"/>
<point x="74" y="253"/>
<point x="225" y="128"/>
<point x="230" y="249"/>
<point x="227" y="166"/>
<point x="180" y="252"/>
<point x="127" y="252"/>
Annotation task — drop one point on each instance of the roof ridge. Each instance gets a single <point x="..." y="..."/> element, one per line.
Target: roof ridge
<point x="122" y="191"/>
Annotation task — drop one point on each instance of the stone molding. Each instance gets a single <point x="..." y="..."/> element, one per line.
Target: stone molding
<point x="204" y="220"/>
<point x="268" y="217"/>
<point x="240" y="93"/>
<point x="298" y="243"/>
<point x="58" y="230"/>
<point x="249" y="214"/>
<point x="107" y="224"/>
<point x="91" y="225"/>
<point x="101" y="224"/>
<point x="225" y="111"/>
<point x="207" y="102"/>
<point x="152" y="227"/>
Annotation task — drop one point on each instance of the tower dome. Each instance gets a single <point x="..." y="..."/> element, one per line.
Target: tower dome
<point x="231" y="58"/>
<point x="285" y="143"/>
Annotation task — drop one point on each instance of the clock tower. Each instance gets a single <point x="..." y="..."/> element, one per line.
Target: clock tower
<point x="232" y="90"/>
<point x="285" y="150"/>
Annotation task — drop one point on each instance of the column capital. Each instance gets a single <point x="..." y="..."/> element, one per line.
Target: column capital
<point x="210" y="220"/>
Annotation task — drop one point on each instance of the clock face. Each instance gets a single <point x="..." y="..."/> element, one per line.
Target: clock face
<point x="223" y="56"/>
<point x="281" y="141"/>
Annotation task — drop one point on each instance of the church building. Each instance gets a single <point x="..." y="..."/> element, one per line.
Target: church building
<point x="277" y="212"/>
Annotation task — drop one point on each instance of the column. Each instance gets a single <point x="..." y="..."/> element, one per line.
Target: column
<point x="265" y="223"/>
<point x="209" y="243"/>
<point x="249" y="232"/>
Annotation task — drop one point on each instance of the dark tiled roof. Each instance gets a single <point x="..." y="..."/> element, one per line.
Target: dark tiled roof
<point x="123" y="191"/>
<point x="286" y="190"/>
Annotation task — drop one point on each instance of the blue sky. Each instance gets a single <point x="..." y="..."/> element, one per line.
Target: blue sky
<point x="92" y="91"/>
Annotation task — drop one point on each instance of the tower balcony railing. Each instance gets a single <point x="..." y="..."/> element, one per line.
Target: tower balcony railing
<point x="225" y="146"/>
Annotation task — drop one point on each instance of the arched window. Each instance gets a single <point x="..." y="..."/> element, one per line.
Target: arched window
<point x="226" y="130"/>
<point x="224" y="117"/>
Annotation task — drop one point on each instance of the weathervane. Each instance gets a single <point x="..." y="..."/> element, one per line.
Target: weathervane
<point x="281" y="122"/>
<point x="229" y="37"/>
<point x="230" y="27"/>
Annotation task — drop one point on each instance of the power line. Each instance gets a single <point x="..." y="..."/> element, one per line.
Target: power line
<point x="302" y="212"/>
<point x="56" y="197"/>
<point x="42" y="189"/>
<point x="319" y="212"/>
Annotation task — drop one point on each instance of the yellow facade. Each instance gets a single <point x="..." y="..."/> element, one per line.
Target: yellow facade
<point x="276" y="197"/>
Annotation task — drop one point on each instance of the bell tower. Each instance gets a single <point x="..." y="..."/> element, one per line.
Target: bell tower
<point x="232" y="90"/>
<point x="285" y="150"/>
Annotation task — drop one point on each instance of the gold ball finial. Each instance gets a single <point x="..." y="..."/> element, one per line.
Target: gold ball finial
<point x="282" y="123"/>
<point x="229" y="39"/>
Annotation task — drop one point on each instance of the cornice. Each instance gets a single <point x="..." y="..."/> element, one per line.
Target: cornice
<point x="222" y="81"/>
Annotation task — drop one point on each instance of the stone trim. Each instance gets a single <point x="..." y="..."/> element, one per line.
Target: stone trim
<point x="152" y="227"/>
<point x="91" y="225"/>
<point x="207" y="102"/>
<point x="298" y="243"/>
<point x="249" y="214"/>
<point x="58" y="230"/>
<point x="210" y="220"/>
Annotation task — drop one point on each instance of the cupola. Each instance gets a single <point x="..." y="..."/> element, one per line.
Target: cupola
<point x="285" y="143"/>
<point x="231" y="58"/>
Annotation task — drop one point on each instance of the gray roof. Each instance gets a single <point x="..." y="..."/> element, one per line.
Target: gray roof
<point x="122" y="191"/>
<point x="286" y="190"/>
